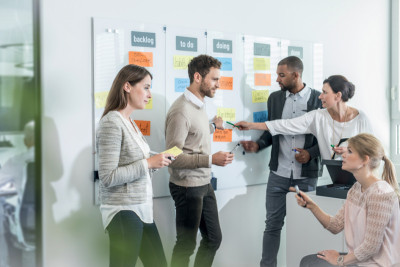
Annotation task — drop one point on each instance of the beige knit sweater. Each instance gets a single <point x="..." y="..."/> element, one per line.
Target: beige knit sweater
<point x="371" y="222"/>
<point x="188" y="128"/>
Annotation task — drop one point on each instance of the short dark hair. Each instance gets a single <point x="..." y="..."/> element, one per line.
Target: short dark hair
<point x="293" y="63"/>
<point x="339" y="83"/>
<point x="202" y="64"/>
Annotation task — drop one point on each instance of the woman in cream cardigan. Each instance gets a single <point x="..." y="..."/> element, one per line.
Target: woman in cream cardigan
<point x="126" y="195"/>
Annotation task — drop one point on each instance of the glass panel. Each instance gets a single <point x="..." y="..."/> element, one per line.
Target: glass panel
<point x="18" y="111"/>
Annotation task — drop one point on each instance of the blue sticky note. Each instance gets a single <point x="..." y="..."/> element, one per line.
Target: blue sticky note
<point x="260" y="116"/>
<point x="181" y="84"/>
<point x="226" y="63"/>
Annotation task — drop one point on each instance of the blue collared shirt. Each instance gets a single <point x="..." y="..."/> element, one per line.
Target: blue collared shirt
<point x="295" y="106"/>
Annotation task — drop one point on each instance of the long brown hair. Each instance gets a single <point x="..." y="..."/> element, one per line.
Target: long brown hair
<point x="368" y="145"/>
<point x="117" y="97"/>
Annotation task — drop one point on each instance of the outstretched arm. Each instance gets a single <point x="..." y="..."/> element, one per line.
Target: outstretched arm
<point x="306" y="202"/>
<point x="244" y="126"/>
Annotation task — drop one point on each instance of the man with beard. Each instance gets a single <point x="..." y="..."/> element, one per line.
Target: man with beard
<point x="187" y="127"/>
<point x="294" y="159"/>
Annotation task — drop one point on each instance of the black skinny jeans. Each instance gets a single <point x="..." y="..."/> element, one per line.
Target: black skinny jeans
<point x="131" y="238"/>
<point x="196" y="208"/>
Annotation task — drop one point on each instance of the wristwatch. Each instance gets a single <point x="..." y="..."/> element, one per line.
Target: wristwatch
<point x="340" y="260"/>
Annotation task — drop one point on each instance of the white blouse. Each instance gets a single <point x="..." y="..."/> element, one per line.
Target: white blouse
<point x="319" y="123"/>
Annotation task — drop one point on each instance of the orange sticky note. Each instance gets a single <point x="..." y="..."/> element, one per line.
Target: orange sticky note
<point x="226" y="83"/>
<point x="262" y="79"/>
<point x="144" y="59"/>
<point x="144" y="127"/>
<point x="222" y="135"/>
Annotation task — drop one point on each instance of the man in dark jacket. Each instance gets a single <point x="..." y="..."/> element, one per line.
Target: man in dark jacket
<point x="294" y="159"/>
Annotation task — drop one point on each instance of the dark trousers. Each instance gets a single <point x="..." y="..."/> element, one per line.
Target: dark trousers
<point x="196" y="208"/>
<point x="130" y="238"/>
<point x="277" y="188"/>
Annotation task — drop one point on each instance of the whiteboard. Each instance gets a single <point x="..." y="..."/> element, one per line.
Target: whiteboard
<point x="248" y="75"/>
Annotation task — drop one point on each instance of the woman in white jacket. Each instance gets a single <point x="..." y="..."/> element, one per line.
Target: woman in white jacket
<point x="337" y="122"/>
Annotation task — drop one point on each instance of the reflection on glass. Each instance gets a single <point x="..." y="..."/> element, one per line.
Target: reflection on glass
<point x="17" y="135"/>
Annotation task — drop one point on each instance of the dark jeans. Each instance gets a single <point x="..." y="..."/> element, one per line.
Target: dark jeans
<point x="313" y="261"/>
<point x="130" y="238"/>
<point x="277" y="188"/>
<point x="196" y="208"/>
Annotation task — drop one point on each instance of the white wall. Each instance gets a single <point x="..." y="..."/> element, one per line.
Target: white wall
<point x="356" y="40"/>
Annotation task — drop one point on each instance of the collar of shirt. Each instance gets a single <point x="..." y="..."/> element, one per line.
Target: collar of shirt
<point x="302" y="92"/>
<point x="192" y="98"/>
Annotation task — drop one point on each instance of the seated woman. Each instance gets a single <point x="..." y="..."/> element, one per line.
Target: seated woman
<point x="336" y="122"/>
<point x="370" y="216"/>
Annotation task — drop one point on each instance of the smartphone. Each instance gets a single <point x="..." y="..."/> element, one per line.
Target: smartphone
<point x="297" y="190"/>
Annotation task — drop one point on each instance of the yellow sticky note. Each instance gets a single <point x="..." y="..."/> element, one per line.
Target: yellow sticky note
<point x="174" y="151"/>
<point x="261" y="63"/>
<point x="227" y="114"/>
<point x="149" y="104"/>
<point x="181" y="62"/>
<point x="100" y="99"/>
<point x="260" y="96"/>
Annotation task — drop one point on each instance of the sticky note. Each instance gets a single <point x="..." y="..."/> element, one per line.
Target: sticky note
<point x="174" y="151"/>
<point x="181" y="62"/>
<point x="227" y="114"/>
<point x="100" y="99"/>
<point x="226" y="83"/>
<point x="260" y="116"/>
<point x="262" y="79"/>
<point x="149" y="105"/>
<point x="226" y="63"/>
<point x="181" y="84"/>
<point x="144" y="127"/>
<point x="144" y="59"/>
<point x="222" y="135"/>
<point x="261" y="63"/>
<point x="260" y="96"/>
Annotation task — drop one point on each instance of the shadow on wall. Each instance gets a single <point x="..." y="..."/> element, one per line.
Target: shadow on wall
<point x="73" y="233"/>
<point x="242" y="225"/>
<point x="85" y="220"/>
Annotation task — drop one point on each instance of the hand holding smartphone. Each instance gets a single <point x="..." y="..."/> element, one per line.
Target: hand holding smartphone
<point x="298" y="193"/>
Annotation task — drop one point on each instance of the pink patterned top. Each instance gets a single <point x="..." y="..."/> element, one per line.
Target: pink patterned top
<point x="371" y="223"/>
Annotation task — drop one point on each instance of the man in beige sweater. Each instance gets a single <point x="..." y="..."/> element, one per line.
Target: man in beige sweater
<point x="187" y="127"/>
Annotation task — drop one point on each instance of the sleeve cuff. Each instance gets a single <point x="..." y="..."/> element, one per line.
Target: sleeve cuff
<point x="145" y="165"/>
<point x="204" y="161"/>
<point x="212" y="127"/>
<point x="270" y="127"/>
